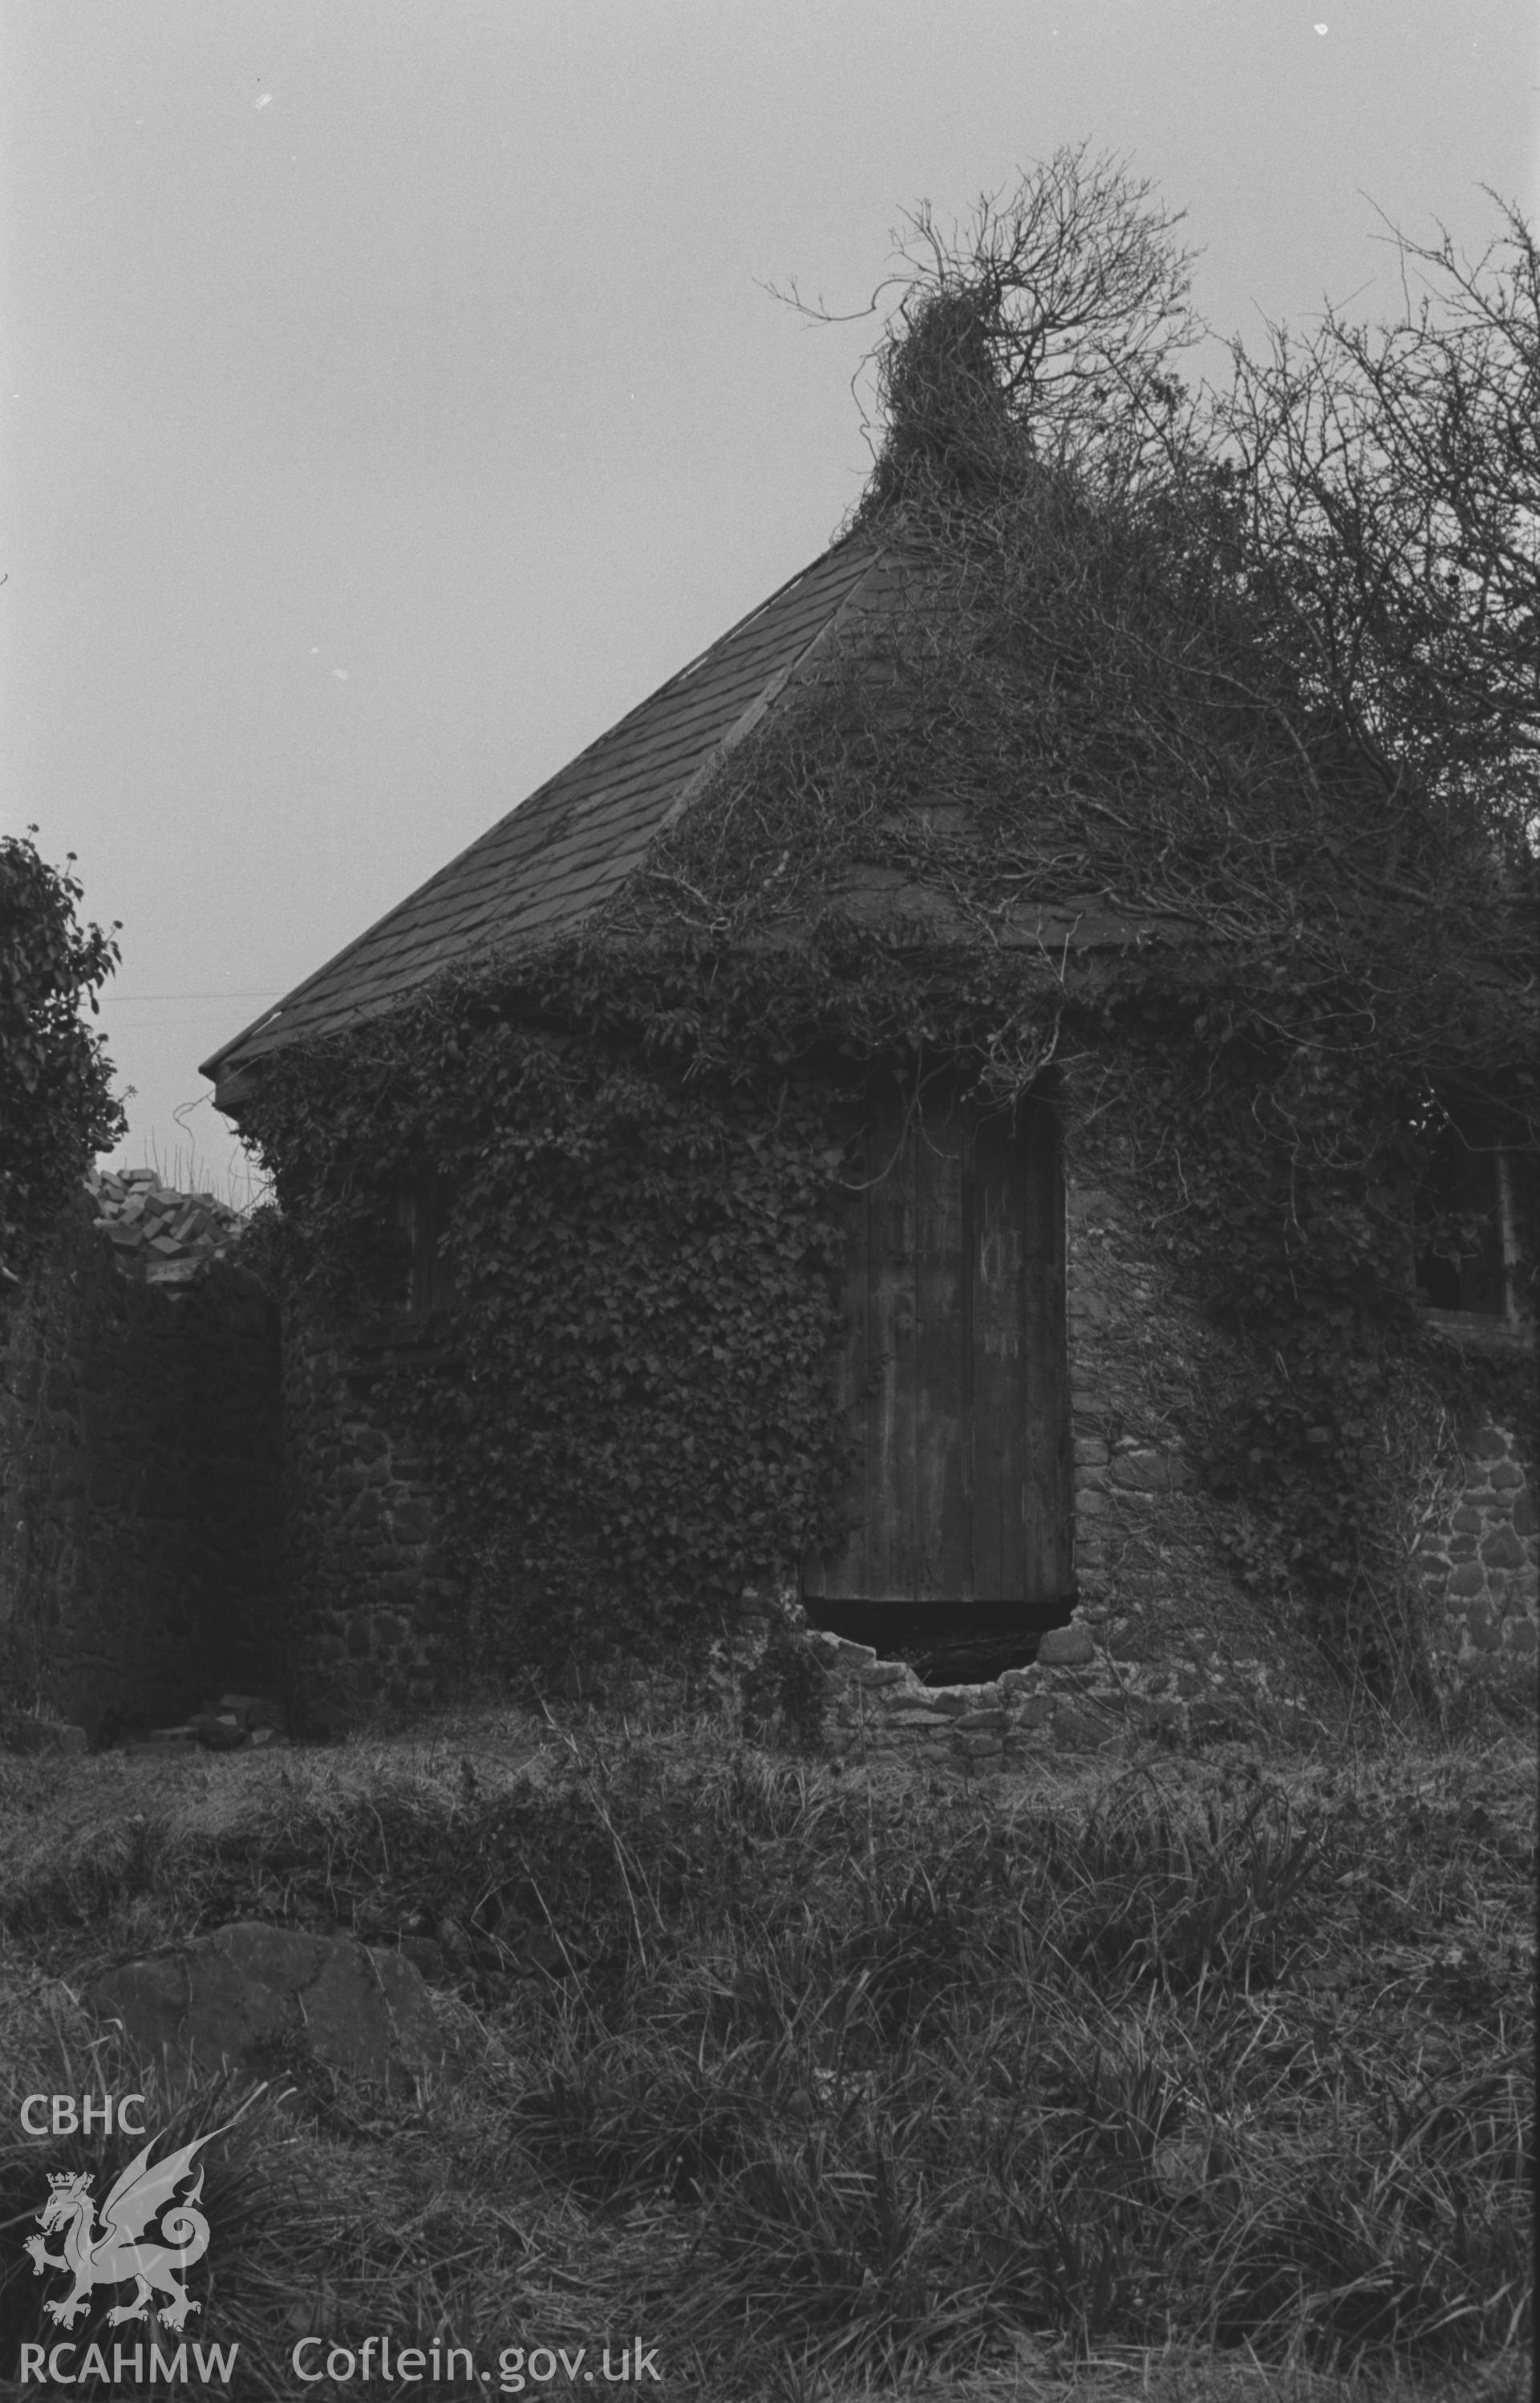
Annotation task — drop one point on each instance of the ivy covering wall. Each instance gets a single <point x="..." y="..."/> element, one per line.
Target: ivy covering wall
<point x="1078" y="697"/>
<point x="628" y="1400"/>
<point x="629" y="1396"/>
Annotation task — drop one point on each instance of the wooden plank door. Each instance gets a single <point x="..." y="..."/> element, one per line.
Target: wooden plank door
<point x="954" y="1367"/>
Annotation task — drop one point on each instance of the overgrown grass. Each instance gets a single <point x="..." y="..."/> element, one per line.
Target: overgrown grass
<point x="1202" y="2076"/>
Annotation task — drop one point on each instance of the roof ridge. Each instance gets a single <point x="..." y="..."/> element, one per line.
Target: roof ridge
<point x="765" y="701"/>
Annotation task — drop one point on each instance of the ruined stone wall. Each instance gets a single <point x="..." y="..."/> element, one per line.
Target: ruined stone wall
<point x="372" y="1607"/>
<point x="1069" y="1700"/>
<point x="140" y="1495"/>
<point x="1083" y="1691"/>
<point x="1165" y="1617"/>
<point x="1166" y="1636"/>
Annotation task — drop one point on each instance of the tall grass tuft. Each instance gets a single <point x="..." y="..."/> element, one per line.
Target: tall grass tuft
<point x="833" y="2080"/>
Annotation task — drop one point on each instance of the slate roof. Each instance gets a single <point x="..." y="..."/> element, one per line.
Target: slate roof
<point x="552" y="860"/>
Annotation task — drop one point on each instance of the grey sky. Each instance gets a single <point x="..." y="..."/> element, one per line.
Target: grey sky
<point x="392" y="400"/>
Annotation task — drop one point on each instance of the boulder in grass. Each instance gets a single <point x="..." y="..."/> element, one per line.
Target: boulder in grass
<point x="162" y="1744"/>
<point x="253" y="1711"/>
<point x="28" y="1735"/>
<point x="219" y="1731"/>
<point x="251" y="1994"/>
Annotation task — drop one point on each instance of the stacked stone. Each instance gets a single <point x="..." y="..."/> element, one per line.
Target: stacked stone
<point x="372" y="1606"/>
<point x="237" y="1722"/>
<point x="1063" y="1702"/>
<point x="1481" y="1570"/>
<point x="158" y="1235"/>
<point x="1157" y="1590"/>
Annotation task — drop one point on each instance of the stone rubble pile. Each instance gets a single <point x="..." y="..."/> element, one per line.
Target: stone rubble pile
<point x="158" y="1235"/>
<point x="25" y="1733"/>
<point x="237" y="1723"/>
<point x="1069" y="1699"/>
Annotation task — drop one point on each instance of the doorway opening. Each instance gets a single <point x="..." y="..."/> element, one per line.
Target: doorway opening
<point x="955" y="1379"/>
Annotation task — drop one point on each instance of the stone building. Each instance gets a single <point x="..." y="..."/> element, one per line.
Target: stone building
<point x="1028" y="1524"/>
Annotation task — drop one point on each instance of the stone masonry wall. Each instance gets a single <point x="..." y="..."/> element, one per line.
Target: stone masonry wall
<point x="371" y="1610"/>
<point x="1078" y="1696"/>
<point x="1480" y="1568"/>
<point x="1165" y="1637"/>
<point x="1166" y="1634"/>
<point x="1065" y="1702"/>
<point x="1165" y="1621"/>
<point x="140" y="1497"/>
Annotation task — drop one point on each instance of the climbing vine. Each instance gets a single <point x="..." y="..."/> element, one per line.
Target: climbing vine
<point x="628" y="1393"/>
<point x="56" y="1104"/>
<point x="1060" y="795"/>
<point x="1285" y="1191"/>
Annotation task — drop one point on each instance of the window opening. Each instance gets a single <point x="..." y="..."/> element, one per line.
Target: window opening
<point x="958" y="1553"/>
<point x="1462" y="1260"/>
<point x="422" y="1212"/>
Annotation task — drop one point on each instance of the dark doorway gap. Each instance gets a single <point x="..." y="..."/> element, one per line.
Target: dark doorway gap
<point x="1460" y="1250"/>
<point x="946" y="1643"/>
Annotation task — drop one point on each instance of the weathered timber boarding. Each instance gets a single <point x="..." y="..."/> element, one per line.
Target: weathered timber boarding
<point x="954" y="1377"/>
